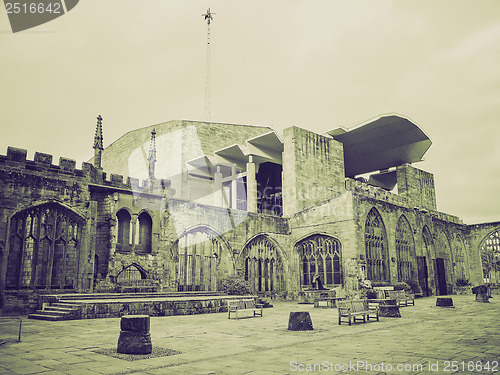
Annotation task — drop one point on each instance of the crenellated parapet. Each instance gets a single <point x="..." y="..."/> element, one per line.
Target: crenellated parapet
<point x="367" y="191"/>
<point x="16" y="166"/>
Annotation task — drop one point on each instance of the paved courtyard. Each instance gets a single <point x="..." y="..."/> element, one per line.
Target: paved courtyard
<point x="425" y="340"/>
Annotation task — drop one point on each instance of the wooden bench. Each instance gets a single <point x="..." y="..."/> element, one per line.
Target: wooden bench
<point x="355" y="310"/>
<point x="402" y="298"/>
<point x="138" y="286"/>
<point x="327" y="302"/>
<point x="238" y="305"/>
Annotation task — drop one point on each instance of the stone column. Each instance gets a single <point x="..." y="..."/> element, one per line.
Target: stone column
<point x="234" y="187"/>
<point x="134" y="335"/>
<point x="251" y="186"/>
<point x="218" y="193"/>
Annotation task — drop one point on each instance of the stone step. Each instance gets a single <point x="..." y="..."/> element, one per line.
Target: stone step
<point x="69" y="304"/>
<point x="84" y="296"/>
<point x="57" y="312"/>
<point x="60" y="309"/>
<point x="52" y="318"/>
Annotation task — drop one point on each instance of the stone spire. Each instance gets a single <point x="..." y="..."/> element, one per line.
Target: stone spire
<point x="152" y="155"/>
<point x="98" y="143"/>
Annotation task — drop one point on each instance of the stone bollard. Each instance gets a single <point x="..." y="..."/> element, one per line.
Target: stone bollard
<point x="134" y="335"/>
<point x="300" y="321"/>
<point x="444" y="302"/>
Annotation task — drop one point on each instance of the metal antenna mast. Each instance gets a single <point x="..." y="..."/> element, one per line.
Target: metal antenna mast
<point x="208" y="17"/>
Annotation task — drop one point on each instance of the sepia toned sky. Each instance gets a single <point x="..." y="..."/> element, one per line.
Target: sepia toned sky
<point x="314" y="64"/>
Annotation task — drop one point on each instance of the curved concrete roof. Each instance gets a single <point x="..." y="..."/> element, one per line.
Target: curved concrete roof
<point x="385" y="142"/>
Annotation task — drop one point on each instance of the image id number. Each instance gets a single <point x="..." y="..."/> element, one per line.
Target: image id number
<point x="470" y="366"/>
<point x="33" y="8"/>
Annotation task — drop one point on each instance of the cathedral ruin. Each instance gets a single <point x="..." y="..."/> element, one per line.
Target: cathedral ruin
<point x="183" y="204"/>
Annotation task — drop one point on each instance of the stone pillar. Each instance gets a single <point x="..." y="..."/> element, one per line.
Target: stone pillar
<point x="134" y="335"/>
<point x="218" y="192"/>
<point x="251" y="186"/>
<point x="234" y="187"/>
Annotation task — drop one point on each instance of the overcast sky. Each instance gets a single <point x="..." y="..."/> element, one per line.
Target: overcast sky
<point x="314" y="64"/>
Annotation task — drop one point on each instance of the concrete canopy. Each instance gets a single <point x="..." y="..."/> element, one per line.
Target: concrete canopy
<point x="385" y="142"/>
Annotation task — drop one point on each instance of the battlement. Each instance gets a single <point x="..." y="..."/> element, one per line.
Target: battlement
<point x="369" y="191"/>
<point x="373" y="192"/>
<point x="16" y="160"/>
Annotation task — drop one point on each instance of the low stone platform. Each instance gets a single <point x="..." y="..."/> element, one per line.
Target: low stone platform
<point x="91" y="306"/>
<point x="424" y="341"/>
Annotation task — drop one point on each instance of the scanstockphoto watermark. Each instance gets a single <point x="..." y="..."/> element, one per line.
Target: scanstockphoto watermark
<point x="432" y="366"/>
<point x="355" y="366"/>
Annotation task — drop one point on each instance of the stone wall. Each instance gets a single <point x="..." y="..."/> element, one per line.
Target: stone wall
<point x="313" y="169"/>
<point x="417" y="186"/>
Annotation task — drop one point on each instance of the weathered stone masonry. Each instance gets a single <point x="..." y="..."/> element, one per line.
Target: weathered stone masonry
<point x="213" y="216"/>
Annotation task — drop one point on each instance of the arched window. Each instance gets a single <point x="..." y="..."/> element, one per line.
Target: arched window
<point x="405" y="250"/>
<point x="263" y="266"/>
<point x="44" y="246"/>
<point x="199" y="252"/>
<point x="490" y="257"/>
<point x="376" y="248"/>
<point x="320" y="254"/>
<point x="145" y="232"/>
<point x="124" y="233"/>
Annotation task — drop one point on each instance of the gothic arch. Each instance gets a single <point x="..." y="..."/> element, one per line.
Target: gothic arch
<point x="376" y="247"/>
<point x="490" y="256"/>
<point x="203" y="258"/>
<point x="145" y="232"/>
<point x="427" y="243"/>
<point x="44" y="242"/>
<point x="132" y="272"/>
<point x="320" y="254"/>
<point x="406" y="256"/>
<point x="425" y="264"/>
<point x="263" y="264"/>
<point x="124" y="230"/>
<point x="55" y="202"/>
<point x="443" y="268"/>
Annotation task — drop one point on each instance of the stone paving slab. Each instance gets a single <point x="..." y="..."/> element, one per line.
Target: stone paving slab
<point x="425" y="340"/>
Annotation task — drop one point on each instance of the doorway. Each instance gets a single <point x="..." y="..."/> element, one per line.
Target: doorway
<point x="440" y="277"/>
<point x="423" y="276"/>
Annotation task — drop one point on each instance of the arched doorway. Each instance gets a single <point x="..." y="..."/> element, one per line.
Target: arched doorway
<point x="422" y="262"/>
<point x="442" y="264"/>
